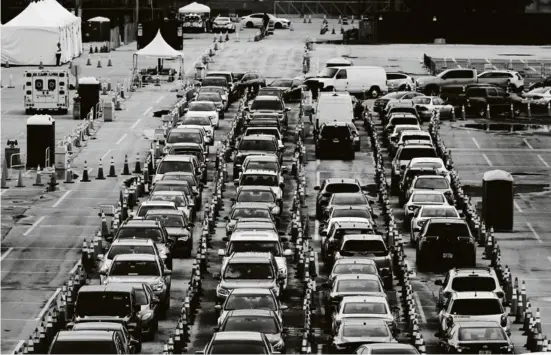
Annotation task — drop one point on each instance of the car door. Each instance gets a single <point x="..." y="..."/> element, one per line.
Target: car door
<point x="341" y="80"/>
<point x="257" y="19"/>
<point x="493" y="98"/>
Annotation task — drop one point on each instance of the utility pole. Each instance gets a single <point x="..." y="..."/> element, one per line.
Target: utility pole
<point x="137" y="13"/>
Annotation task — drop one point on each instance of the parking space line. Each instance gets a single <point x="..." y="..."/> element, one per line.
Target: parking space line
<point x="6" y="253"/>
<point x="316" y="230"/>
<point x="476" y="143"/>
<point x="487" y="160"/>
<point x="47" y="305"/>
<point x="106" y="154"/>
<point x="61" y="198"/>
<point x="515" y="203"/>
<point x="543" y="161"/>
<point x="318" y="178"/>
<point x="536" y="235"/>
<point x="1" y="193"/>
<point x="527" y="143"/>
<point x="47" y="248"/>
<point x="29" y="272"/>
<point x="34" y="225"/>
<point x="121" y="139"/>
<point x="136" y="123"/>
<point x="160" y="99"/>
<point x="420" y="308"/>
<point x="148" y="110"/>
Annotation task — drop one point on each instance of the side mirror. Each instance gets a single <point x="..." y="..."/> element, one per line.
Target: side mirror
<point x="284" y="170"/>
<point x="218" y="307"/>
<point x="438" y="282"/>
<point x="100" y="257"/>
<point x="226" y="218"/>
<point x="191" y="225"/>
<point x="326" y="285"/>
<point x="371" y="202"/>
<point x="167" y="273"/>
<point x="283" y="307"/>
<point x="417" y="229"/>
<point x="316" y="188"/>
<point x="155" y="300"/>
<point x="246" y="108"/>
<point x="232" y="199"/>
<point x="225" y="239"/>
<point x="323" y="233"/>
<point x="287" y="252"/>
<point x="287" y="109"/>
<point x="103" y="272"/>
<point x="221" y="252"/>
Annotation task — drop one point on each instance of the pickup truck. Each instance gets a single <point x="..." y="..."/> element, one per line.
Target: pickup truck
<point x="477" y="100"/>
<point x="431" y="85"/>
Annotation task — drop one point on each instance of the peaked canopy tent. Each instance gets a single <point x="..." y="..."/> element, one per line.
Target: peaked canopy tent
<point x="32" y="36"/>
<point x="194" y="8"/>
<point x="158" y="48"/>
<point x="74" y="44"/>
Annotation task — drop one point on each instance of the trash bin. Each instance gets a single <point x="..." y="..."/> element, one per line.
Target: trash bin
<point x="108" y="113"/>
<point x="40" y="141"/>
<point x="76" y="108"/>
<point x="88" y="91"/>
<point x="497" y="200"/>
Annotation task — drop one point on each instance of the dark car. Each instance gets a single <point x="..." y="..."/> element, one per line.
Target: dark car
<point x="178" y="227"/>
<point x="270" y="91"/>
<point x="291" y="89"/>
<point x="269" y="104"/>
<point x="497" y="100"/>
<point x="335" y="139"/>
<point x="88" y="342"/>
<point x="254" y="145"/>
<point x="330" y="187"/>
<point x="445" y="241"/>
<point x="479" y="337"/>
<point x="132" y="345"/>
<point x="238" y="343"/>
<point x="541" y="84"/>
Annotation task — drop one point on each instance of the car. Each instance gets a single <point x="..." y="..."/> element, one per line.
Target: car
<point x="537" y="97"/>
<point x="215" y="98"/>
<point x="179" y="199"/>
<point x="223" y="24"/>
<point x="264" y="119"/>
<point x="183" y="182"/>
<point x="260" y="144"/>
<point x="353" y="266"/>
<point x="269" y="162"/>
<point x="516" y="81"/>
<point x="258" y="320"/>
<point x="243" y="80"/>
<point x="387" y="348"/>
<point x="200" y="121"/>
<point x="131" y="345"/>
<point x="248" y="210"/>
<point x="271" y="91"/>
<point x="398" y="119"/>
<point x="259" y="194"/>
<point x="375" y="307"/>
<point x="445" y="241"/>
<point x="154" y="230"/>
<point x="193" y="149"/>
<point x="291" y="89"/>
<point x="203" y="109"/>
<point x="396" y="133"/>
<point x="150" y="310"/>
<point x="336" y="230"/>
<point x="473" y="307"/>
<point x="499" y="101"/>
<point x="251" y="224"/>
<point x="381" y="102"/>
<point x="178" y="227"/>
<point x="257" y="20"/>
<point x="357" y="211"/>
<point x="370" y="247"/>
<point x="354" y="332"/>
<point x="332" y="186"/>
<point x="234" y="342"/>
<point x="246" y="270"/>
<point x="351" y="285"/>
<point x="400" y="82"/>
<point x="433" y="163"/>
<point x="429" y="106"/>
<point x="399" y="107"/>
<point x="478" y="337"/>
<point x="541" y="84"/>
<point x="94" y="341"/>
<point x="402" y="158"/>
<point x="347" y="199"/>
<point x="149" y="205"/>
<point x="213" y="77"/>
<point x="420" y="198"/>
<point x="426" y="212"/>
<point x="355" y="136"/>
<point x="126" y="246"/>
<point x="186" y="135"/>
<point x="409" y="176"/>
<point x="178" y="163"/>
<point x="335" y="139"/>
<point x="270" y="131"/>
<point x="253" y="177"/>
<point x="132" y="268"/>
<point x="193" y="23"/>
<point x="479" y="279"/>
<point x="431" y="182"/>
<point x="269" y="104"/>
<point x="409" y="137"/>
<point x="250" y="298"/>
<point x="222" y="91"/>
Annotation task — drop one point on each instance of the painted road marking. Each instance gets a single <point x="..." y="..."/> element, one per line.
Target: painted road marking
<point x="160" y="99"/>
<point x="316" y="230"/>
<point x="34" y="225"/>
<point x="106" y="154"/>
<point x="501" y="150"/>
<point x="420" y="307"/>
<point x="148" y="110"/>
<point x="536" y="235"/>
<point x="136" y="123"/>
<point x="543" y="161"/>
<point x="527" y="143"/>
<point x="48" y="248"/>
<point x="318" y="178"/>
<point x="34" y="259"/>
<point x="6" y="253"/>
<point x="515" y="203"/>
<point x="487" y="160"/>
<point x="3" y="191"/>
<point x="476" y="143"/>
<point x="61" y="198"/>
<point x="121" y="139"/>
<point x="48" y="304"/>
<point x="74" y="269"/>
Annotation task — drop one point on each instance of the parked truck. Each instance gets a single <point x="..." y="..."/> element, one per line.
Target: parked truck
<point x="431" y="85"/>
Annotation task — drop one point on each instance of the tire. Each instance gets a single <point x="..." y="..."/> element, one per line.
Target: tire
<point x="432" y="90"/>
<point x="374" y="93"/>
<point x="278" y="26"/>
<point x="249" y="24"/>
<point x="389" y="282"/>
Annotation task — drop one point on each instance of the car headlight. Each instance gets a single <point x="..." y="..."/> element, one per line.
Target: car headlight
<point x="147" y="316"/>
<point x="279" y="345"/>
<point x="223" y="291"/>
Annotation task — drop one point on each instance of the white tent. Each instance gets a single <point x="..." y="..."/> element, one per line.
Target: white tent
<point x="99" y="19"/>
<point x="158" y="48"/>
<point x="74" y="44"/>
<point x="194" y="8"/>
<point x="32" y="36"/>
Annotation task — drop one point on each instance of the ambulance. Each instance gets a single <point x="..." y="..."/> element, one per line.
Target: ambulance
<point x="46" y="90"/>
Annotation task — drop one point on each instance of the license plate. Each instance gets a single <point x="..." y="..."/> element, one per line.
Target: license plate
<point x="335" y="140"/>
<point x="447" y="255"/>
<point x="484" y="352"/>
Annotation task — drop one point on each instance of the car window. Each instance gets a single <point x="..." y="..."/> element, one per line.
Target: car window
<point x="410" y="153"/>
<point x="363" y="331"/>
<point x="184" y="137"/>
<point x="258" y="180"/>
<point x="238" y="346"/>
<point x="348" y="199"/>
<point x="134" y="268"/>
<point x="341" y="74"/>
<point x="175" y="166"/>
<point x="345" y="269"/>
<point x="282" y="83"/>
<point x="351" y="212"/>
<point x="179" y="200"/>
<point x="405" y="120"/>
<point x="129" y="249"/>
<point x="439" y="212"/>
<point x="265" y="325"/>
<point x="447" y="230"/>
<point x="141" y="233"/>
<point x="473" y="283"/>
<point x="358" y="286"/>
<point x="431" y="183"/>
<point x="103" y="304"/>
<point x="476" y="307"/>
<point x="274" y="105"/>
<point x="425" y="198"/>
<point x="248" y="271"/>
<point x="339" y="132"/>
<point x="169" y="221"/>
<point x="342" y="187"/>
<point x="365" y="308"/>
<point x="255" y="196"/>
<point x="258" y="144"/>
<point x="391" y="351"/>
<point x="141" y="297"/>
<point x="201" y="106"/>
<point x="363" y="247"/>
<point x="255" y="246"/>
<point x="481" y="333"/>
<point x="83" y="347"/>
<point x="196" y="120"/>
<point x="250" y="302"/>
<point x="247" y="212"/>
<point x="261" y="165"/>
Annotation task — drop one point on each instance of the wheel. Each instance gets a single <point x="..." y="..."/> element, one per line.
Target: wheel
<point x="249" y="24"/>
<point x="374" y="93"/>
<point x="278" y="26"/>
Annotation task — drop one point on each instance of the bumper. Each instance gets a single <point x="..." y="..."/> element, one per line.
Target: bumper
<point x="183" y="245"/>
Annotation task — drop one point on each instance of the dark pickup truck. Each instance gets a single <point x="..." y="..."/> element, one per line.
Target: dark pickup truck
<point x="499" y="101"/>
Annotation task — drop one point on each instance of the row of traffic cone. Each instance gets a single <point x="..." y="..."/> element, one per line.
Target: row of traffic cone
<point x="89" y="62"/>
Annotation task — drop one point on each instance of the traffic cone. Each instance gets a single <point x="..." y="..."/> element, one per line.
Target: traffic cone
<point x="214" y="39"/>
<point x="309" y="18"/>
<point x="69" y="175"/>
<point x="125" y="169"/>
<point x="333" y="32"/>
<point x="5" y="170"/>
<point x="53" y="182"/>
<point x="221" y="39"/>
<point x="109" y="62"/>
<point x="227" y="37"/>
<point x="38" y="181"/>
<point x="20" y="179"/>
<point x="85" y="177"/>
<point x="340" y="20"/>
<point x="4" y="176"/>
<point x="96" y="49"/>
<point x="99" y="63"/>
<point x="104" y="89"/>
<point x="109" y="87"/>
<point x="91" y="50"/>
<point x="89" y="60"/>
<point x="137" y="167"/>
<point x="100" y="171"/>
<point x="112" y="168"/>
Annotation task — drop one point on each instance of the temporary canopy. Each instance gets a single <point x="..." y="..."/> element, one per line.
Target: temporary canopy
<point x="74" y="45"/>
<point x="194" y="8"/>
<point x="158" y="48"/>
<point x="99" y="19"/>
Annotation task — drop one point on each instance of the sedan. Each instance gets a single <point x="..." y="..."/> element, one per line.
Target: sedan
<point x="352" y="333"/>
<point x="238" y="343"/>
<point x="204" y="109"/>
<point x="257" y="20"/>
<point x="421" y="198"/>
<point x="475" y="338"/>
<point x="213" y="97"/>
<point x="424" y="213"/>
<point x="202" y="122"/>
<point x="291" y="89"/>
<point x="428" y="106"/>
<point x="347" y="199"/>
<point x="250" y="298"/>
<point x="222" y="91"/>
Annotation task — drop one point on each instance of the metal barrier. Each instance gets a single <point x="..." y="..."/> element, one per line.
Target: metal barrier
<point x="47" y="158"/>
<point x="22" y="165"/>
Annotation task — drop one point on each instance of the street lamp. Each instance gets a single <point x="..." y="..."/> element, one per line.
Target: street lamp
<point x="380" y="17"/>
<point x="434" y="19"/>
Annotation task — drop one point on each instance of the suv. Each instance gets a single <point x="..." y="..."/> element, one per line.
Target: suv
<point x="433" y="182"/>
<point x="479" y="279"/>
<point x="270" y="104"/>
<point x="400" y="119"/>
<point x="255" y="145"/>
<point x="234" y="342"/>
<point x="332" y="186"/>
<point x="253" y="177"/>
<point x="337" y="138"/>
<point x="220" y="80"/>
<point x="178" y="228"/>
<point x="154" y="230"/>
<point x="337" y="231"/>
<point x="478" y="99"/>
<point x="94" y="341"/>
<point x="269" y="131"/>
<point x="448" y="240"/>
<point x="263" y="162"/>
<point x="516" y="82"/>
<point x="402" y="158"/>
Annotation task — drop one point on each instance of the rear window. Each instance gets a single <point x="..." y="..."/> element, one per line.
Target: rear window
<point x="364" y="308"/>
<point x="476" y="92"/>
<point x="473" y="283"/>
<point x="342" y="187"/>
<point x="439" y="212"/>
<point x="129" y="249"/>
<point x="102" y="304"/>
<point x="209" y="96"/>
<point x="184" y="137"/>
<point x="481" y="333"/>
<point x="355" y="212"/>
<point x="140" y="233"/>
<point x="363" y="247"/>
<point x="418" y="137"/>
<point x="358" y="286"/>
<point x="250" y="302"/>
<point x="340" y="132"/>
<point x="410" y="153"/>
<point x="391" y="351"/>
<point x="259" y="180"/>
<point x="422" y="100"/>
<point x="168" y="221"/>
<point x="428" y="198"/>
<point x="447" y="230"/>
<point x="263" y="145"/>
<point x="238" y="346"/>
<point x="341" y="199"/>
<point x="202" y="106"/>
<point x="430" y="165"/>
<point x="208" y="81"/>
<point x="262" y="165"/>
<point x="272" y="105"/>
<point x="476" y="307"/>
<point x="134" y="268"/>
<point x="175" y="166"/>
<point x="362" y="331"/>
<point x="199" y="121"/>
<point x="255" y="196"/>
<point x="404" y="121"/>
<point x="431" y="183"/>
<point x="265" y="325"/>
<point x="345" y="269"/>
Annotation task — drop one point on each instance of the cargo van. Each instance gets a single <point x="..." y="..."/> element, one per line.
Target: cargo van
<point x="338" y="62"/>
<point x="333" y="106"/>
<point x="357" y="80"/>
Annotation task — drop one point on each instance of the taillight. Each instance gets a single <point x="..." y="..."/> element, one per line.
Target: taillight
<point x="504" y="320"/>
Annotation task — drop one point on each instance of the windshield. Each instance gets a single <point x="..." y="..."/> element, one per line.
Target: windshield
<point x="199" y="121"/>
<point x="431" y="183"/>
<point x="93" y="304"/>
<point x="202" y="106"/>
<point x="406" y="127"/>
<point x="476" y="307"/>
<point x="172" y="187"/>
<point x="428" y="198"/>
<point x="214" y="82"/>
<point x="364" y="308"/>
<point x="358" y="286"/>
<point x="84" y="347"/>
<point x="346" y="269"/>
<point x="282" y="83"/>
<point x="184" y="137"/>
<point x="439" y="212"/>
<point x="255" y="196"/>
<point x="364" y="247"/>
<point x="353" y="213"/>
<point x="473" y="283"/>
<point x="142" y="211"/>
<point x="255" y="246"/>
<point x="266" y="325"/>
<point x="140" y="233"/>
<point x="410" y="153"/>
<point x="393" y="351"/>
<point x="178" y="200"/>
<point x="340" y="232"/>
<point x="327" y="72"/>
<point x="267" y="131"/>
<point x="259" y="180"/>
<point x="481" y="333"/>
<point x="250" y="212"/>
<point x="264" y="145"/>
<point x="363" y="331"/>
<point x="238" y="346"/>
<point x="272" y="105"/>
<point x="168" y="221"/>
<point x="348" y="199"/>
<point x="248" y="271"/>
<point x="134" y="268"/>
<point x="250" y="302"/>
<point x="341" y="187"/>
<point x="212" y="89"/>
<point x="129" y="249"/>
<point x="175" y="166"/>
<point x="447" y="230"/>
<point x="339" y="132"/>
<point x="262" y="165"/>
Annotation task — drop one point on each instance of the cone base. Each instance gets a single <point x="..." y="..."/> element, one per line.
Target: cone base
<point x="68" y="182"/>
<point x="112" y="175"/>
<point x="100" y="178"/>
<point x="38" y="184"/>
<point x="5" y="187"/>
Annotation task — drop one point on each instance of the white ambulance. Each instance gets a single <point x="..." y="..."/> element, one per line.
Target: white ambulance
<point x="46" y="90"/>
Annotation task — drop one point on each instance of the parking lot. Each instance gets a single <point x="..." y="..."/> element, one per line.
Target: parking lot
<point x="43" y="233"/>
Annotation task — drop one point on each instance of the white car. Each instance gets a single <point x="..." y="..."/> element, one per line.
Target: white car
<point x="223" y="24"/>
<point x="376" y="307"/>
<point x="540" y="96"/>
<point x="127" y="246"/>
<point x="424" y="213"/>
<point x="431" y="183"/>
<point x="516" y="81"/>
<point x="204" y="109"/>
<point x="422" y="198"/>
<point x="200" y="122"/>
<point x="257" y="20"/>
<point x="179" y="199"/>
<point x="428" y="106"/>
<point x="400" y="82"/>
<point x="254" y="177"/>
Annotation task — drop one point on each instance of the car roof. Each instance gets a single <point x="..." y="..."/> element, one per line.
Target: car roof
<point x="141" y="222"/>
<point x="357" y="223"/>
<point x="363" y="321"/>
<point x="254" y="236"/>
<point x="255" y="257"/>
<point x="266" y="98"/>
<point x="167" y="192"/>
<point x="255" y="188"/>
<point x="362" y="237"/>
<point x="390" y="346"/>
<point x="215" y="72"/>
<point x="431" y="177"/>
<point x="427" y="192"/>
<point x="259" y="171"/>
<point x="417" y="146"/>
<point x="357" y="277"/>
<point x="251" y="291"/>
<point x="475" y="294"/>
<point x="160" y="211"/>
<point x="186" y="145"/>
<point x="133" y="241"/>
<point x="263" y="157"/>
<point x="98" y="326"/>
<point x="110" y="287"/>
<point x="426" y="160"/>
<point x="156" y="203"/>
<point x="211" y="87"/>
<point x="371" y="298"/>
<point x="336" y="124"/>
<point x="135" y="257"/>
<point x="84" y="335"/>
<point x="250" y="205"/>
<point x="255" y="137"/>
<point x="180" y="158"/>
<point x="355" y="261"/>
<point x="341" y="181"/>
<point x="447" y="220"/>
<point x="476" y="324"/>
<point x="352" y="207"/>
<point x="477" y="271"/>
<point x="237" y="336"/>
<point x="251" y="312"/>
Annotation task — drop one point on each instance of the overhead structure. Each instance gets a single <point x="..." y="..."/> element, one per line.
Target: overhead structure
<point x="99" y="19"/>
<point x="194" y="8"/>
<point x="158" y="48"/>
<point x="31" y="37"/>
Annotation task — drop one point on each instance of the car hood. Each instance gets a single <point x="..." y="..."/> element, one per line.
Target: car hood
<point x="385" y="317"/>
<point x="356" y="293"/>
<point x="354" y="342"/>
<point x="232" y="284"/>
<point x="176" y="231"/>
<point x="152" y="280"/>
<point x="204" y="113"/>
<point x="425" y="79"/>
<point x="281" y="88"/>
<point x="246" y="153"/>
<point x="281" y="262"/>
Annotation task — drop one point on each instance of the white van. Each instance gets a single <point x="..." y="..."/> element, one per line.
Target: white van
<point x="333" y="106"/>
<point x="338" y="62"/>
<point x="355" y="79"/>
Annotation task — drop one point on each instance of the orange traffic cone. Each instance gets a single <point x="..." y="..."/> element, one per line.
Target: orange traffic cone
<point x="112" y="168"/>
<point x="20" y="179"/>
<point x="69" y="175"/>
<point x="89" y="60"/>
<point x="4" y="176"/>
<point x="137" y="167"/>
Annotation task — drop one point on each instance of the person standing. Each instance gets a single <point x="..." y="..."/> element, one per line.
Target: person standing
<point x="265" y="22"/>
<point x="58" y="55"/>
